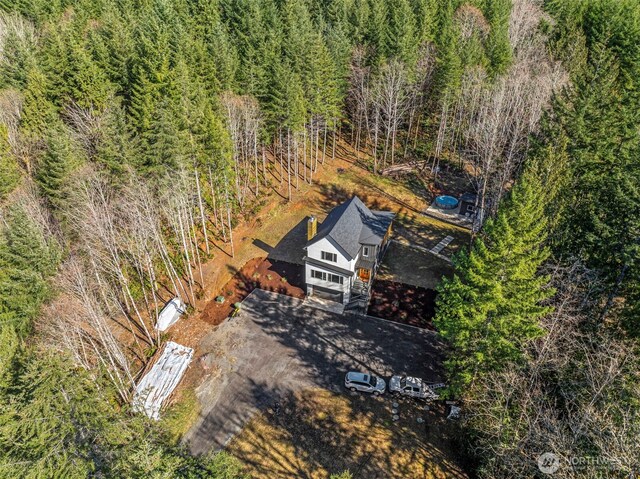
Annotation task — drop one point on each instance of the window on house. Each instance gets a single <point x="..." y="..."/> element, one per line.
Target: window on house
<point x="365" y="251"/>
<point x="470" y="208"/>
<point x="318" y="274"/>
<point x="336" y="278"/>
<point x="329" y="256"/>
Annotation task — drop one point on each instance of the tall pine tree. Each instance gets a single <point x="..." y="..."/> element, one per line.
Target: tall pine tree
<point x="9" y="172"/>
<point x="491" y="307"/>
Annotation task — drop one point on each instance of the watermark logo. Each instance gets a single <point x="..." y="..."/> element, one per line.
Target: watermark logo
<point x="548" y="463"/>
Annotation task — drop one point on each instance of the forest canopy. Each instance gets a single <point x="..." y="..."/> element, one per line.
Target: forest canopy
<point x="135" y="132"/>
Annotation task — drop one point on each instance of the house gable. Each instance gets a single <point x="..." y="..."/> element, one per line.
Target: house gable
<point x="328" y="244"/>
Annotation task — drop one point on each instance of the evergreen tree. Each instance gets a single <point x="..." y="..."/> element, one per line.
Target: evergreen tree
<point x="599" y="118"/>
<point x="18" y="58"/>
<point x="377" y="30"/>
<point x="321" y="82"/>
<point x="117" y="147"/>
<point x="56" y="60"/>
<point x="359" y="20"/>
<point x="38" y="111"/>
<point x="164" y="143"/>
<point x="151" y="69"/>
<point x="10" y="347"/>
<point x="9" y="172"/>
<point x="402" y="42"/>
<point x="286" y="102"/>
<point x="216" y="56"/>
<point x="90" y="87"/>
<point x="61" y="158"/>
<point x="256" y="34"/>
<point x="489" y="309"/>
<point x="498" y="47"/>
<point x="426" y="14"/>
<point x="112" y="49"/>
<point x="450" y="66"/>
<point x="298" y="31"/>
<point x="27" y="259"/>
<point x="58" y="421"/>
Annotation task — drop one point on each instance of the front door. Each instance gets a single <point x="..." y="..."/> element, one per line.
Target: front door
<point x="365" y="274"/>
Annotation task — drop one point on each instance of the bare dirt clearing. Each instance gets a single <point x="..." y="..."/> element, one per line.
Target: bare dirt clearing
<point x="402" y="303"/>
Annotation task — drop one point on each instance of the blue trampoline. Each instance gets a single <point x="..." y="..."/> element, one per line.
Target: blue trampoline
<point x="445" y="202"/>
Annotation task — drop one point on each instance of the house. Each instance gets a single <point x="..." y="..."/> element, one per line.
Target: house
<point x="343" y="253"/>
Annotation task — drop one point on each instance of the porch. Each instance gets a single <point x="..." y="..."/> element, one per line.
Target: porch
<point x="365" y="269"/>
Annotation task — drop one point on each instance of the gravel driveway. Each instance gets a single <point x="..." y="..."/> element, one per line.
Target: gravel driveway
<point x="279" y="344"/>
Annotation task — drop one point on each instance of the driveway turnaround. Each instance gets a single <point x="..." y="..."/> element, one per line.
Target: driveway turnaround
<point x="278" y="345"/>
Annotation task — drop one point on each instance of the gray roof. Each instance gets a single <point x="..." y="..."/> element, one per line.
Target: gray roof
<point x="352" y="224"/>
<point x="366" y="263"/>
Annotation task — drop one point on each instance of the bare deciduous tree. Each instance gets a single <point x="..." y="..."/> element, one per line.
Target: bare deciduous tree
<point x="572" y="397"/>
<point x="490" y="122"/>
<point x="243" y="123"/>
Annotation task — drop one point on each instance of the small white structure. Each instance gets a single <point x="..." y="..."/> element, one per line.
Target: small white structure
<point x="158" y="384"/>
<point x="170" y="313"/>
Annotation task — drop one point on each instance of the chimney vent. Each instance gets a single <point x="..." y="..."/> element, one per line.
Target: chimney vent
<point x="312" y="227"/>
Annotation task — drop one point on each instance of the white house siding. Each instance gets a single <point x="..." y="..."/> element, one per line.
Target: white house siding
<point x="315" y="251"/>
<point x="344" y="288"/>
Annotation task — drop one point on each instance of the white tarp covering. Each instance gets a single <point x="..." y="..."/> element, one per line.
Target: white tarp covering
<point x="170" y="314"/>
<point x="156" y="386"/>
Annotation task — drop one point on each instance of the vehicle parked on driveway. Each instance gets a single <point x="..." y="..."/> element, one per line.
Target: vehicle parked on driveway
<point x="365" y="382"/>
<point x="413" y="387"/>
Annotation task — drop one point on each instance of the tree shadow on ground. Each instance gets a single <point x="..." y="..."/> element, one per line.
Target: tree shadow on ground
<point x="290" y="248"/>
<point x="303" y="433"/>
<point x="334" y="195"/>
<point x="300" y="433"/>
<point x="309" y="348"/>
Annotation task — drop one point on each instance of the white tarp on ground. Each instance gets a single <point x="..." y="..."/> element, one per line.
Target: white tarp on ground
<point x="170" y="313"/>
<point x="156" y="386"/>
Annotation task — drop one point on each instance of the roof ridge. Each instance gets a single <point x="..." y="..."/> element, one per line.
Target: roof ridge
<point x="341" y="226"/>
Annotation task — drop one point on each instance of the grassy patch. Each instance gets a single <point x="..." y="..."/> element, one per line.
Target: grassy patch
<point x="403" y="264"/>
<point x="181" y="415"/>
<point x="318" y="433"/>
<point x="226" y="466"/>
<point x="377" y="192"/>
<point x="427" y="232"/>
